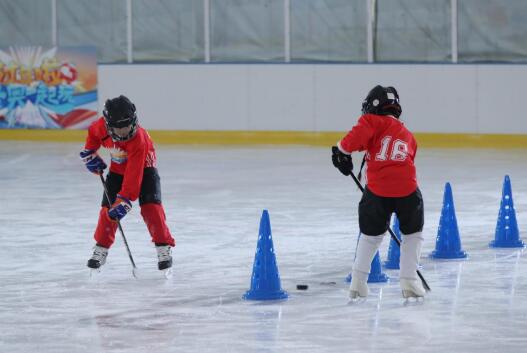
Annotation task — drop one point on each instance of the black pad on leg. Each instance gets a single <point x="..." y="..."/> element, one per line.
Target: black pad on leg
<point x="150" y="187"/>
<point x="113" y="185"/>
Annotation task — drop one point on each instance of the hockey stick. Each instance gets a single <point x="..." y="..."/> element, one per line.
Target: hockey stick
<point x="134" y="268"/>
<point x="392" y="234"/>
<point x="361" y="167"/>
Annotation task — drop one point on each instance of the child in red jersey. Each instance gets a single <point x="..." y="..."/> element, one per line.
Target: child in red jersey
<point x="132" y="175"/>
<point x="391" y="187"/>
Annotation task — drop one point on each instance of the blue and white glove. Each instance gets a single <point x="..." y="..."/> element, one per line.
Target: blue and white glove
<point x="120" y="208"/>
<point x="93" y="162"/>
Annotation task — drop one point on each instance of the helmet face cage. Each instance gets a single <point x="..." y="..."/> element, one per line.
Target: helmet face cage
<point x="119" y="113"/>
<point x="382" y="101"/>
<point x="116" y="137"/>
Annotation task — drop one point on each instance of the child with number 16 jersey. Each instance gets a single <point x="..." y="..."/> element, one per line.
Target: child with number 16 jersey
<point x="391" y="187"/>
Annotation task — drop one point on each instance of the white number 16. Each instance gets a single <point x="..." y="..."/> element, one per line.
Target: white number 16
<point x="399" y="150"/>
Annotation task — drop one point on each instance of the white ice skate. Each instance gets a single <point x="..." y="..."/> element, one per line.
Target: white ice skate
<point x="98" y="258"/>
<point x="164" y="258"/>
<point x="359" y="291"/>
<point x="359" y="286"/>
<point x="412" y="288"/>
<point x="367" y="246"/>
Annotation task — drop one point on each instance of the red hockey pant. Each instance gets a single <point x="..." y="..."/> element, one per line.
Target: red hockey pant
<point x="154" y="217"/>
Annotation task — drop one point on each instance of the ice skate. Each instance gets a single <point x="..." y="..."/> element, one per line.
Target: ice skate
<point x="98" y="259"/>
<point x="359" y="286"/>
<point x="358" y="292"/>
<point x="412" y="288"/>
<point x="366" y="248"/>
<point x="164" y="259"/>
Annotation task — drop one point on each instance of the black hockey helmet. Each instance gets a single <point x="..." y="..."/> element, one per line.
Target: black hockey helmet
<point x="382" y="101"/>
<point x="119" y="113"/>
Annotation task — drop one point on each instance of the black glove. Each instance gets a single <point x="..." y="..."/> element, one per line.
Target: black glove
<point x="341" y="161"/>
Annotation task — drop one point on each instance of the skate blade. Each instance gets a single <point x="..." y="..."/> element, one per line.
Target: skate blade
<point x="168" y="273"/>
<point x="356" y="301"/>
<point x="354" y="297"/>
<point x="94" y="272"/>
<point x="407" y="294"/>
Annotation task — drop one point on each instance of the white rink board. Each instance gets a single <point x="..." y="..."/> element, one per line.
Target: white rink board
<point x="435" y="98"/>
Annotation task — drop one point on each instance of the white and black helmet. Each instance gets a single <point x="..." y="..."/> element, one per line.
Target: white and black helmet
<point x="119" y="112"/>
<point x="382" y="101"/>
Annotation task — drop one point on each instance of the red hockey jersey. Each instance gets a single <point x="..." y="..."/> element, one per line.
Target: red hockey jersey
<point x="128" y="158"/>
<point x="390" y="153"/>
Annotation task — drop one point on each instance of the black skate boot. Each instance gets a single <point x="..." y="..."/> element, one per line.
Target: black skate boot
<point x="98" y="258"/>
<point x="164" y="257"/>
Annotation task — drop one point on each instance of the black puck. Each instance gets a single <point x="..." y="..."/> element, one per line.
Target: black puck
<point x="302" y="286"/>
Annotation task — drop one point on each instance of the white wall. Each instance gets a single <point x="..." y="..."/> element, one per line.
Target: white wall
<point x="306" y="97"/>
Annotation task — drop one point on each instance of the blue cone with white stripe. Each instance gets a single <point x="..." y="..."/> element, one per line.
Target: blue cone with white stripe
<point x="507" y="234"/>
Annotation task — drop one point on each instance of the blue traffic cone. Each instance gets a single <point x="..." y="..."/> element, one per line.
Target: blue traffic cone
<point x="448" y="242"/>
<point x="394" y="253"/>
<point x="376" y="275"/>
<point x="507" y="234"/>
<point x="265" y="280"/>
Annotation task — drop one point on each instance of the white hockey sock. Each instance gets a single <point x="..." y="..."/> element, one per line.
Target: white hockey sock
<point x="410" y="254"/>
<point x="366" y="249"/>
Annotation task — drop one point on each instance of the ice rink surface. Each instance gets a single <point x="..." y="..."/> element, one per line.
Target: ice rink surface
<point x="214" y="197"/>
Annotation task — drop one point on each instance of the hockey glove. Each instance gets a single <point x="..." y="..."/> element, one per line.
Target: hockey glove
<point x="93" y="162"/>
<point x="120" y="208"/>
<point x="341" y="161"/>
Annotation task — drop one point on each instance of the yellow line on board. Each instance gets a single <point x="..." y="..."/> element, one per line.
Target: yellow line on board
<point x="54" y="135"/>
<point x="471" y="140"/>
<point x="247" y="137"/>
<point x="431" y="140"/>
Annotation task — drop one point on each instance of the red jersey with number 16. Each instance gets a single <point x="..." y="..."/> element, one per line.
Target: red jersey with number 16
<point x="129" y="158"/>
<point x="390" y="153"/>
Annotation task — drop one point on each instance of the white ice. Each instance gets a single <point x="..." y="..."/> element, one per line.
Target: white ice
<point x="214" y="197"/>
